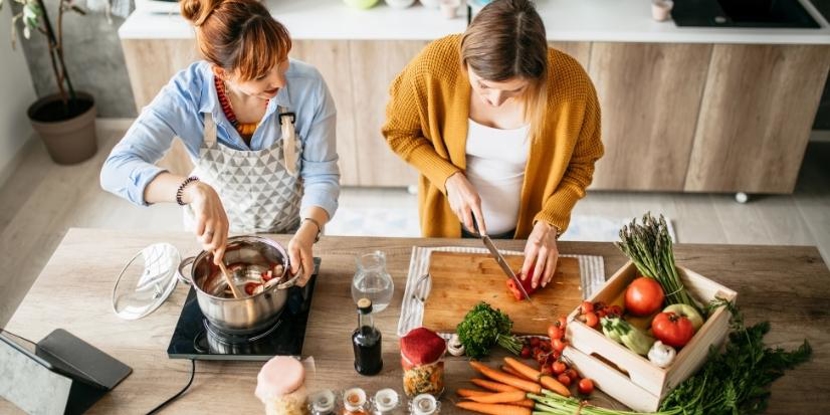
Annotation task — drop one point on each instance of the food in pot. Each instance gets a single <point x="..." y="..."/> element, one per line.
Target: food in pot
<point x="280" y="386"/>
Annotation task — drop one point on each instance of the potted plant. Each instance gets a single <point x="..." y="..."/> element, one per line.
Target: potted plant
<point x="65" y="120"/>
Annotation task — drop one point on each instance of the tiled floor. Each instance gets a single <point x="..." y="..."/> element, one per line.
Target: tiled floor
<point x="42" y="200"/>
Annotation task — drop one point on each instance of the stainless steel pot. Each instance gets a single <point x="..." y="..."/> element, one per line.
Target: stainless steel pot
<point x="250" y="255"/>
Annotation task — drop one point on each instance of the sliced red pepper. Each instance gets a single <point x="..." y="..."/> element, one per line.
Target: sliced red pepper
<point x="527" y="284"/>
<point x="250" y="287"/>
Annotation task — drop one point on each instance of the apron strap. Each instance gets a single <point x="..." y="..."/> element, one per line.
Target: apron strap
<point x="289" y="140"/>
<point x="210" y="130"/>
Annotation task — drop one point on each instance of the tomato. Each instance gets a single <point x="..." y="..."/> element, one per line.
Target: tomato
<point x="562" y="322"/>
<point x="585" y="386"/>
<point x="643" y="296"/>
<point x="564" y="379"/>
<point x="558" y="344"/>
<point x="591" y="319"/>
<point x="525" y="352"/>
<point x="672" y="329"/>
<point x="615" y="310"/>
<point x="250" y="287"/>
<point x="586" y="307"/>
<point x="555" y="332"/>
<point x="558" y="367"/>
<point x="571" y="372"/>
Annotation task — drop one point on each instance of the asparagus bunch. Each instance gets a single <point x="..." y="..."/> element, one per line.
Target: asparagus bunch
<point x="649" y="246"/>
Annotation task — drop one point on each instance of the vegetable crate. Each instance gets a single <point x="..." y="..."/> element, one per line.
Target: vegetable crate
<point x="628" y="377"/>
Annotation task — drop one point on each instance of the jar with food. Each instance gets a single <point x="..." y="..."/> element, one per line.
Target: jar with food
<point x="425" y="404"/>
<point x="280" y="386"/>
<point x="386" y="402"/>
<point x="422" y="352"/>
<point x="354" y="402"/>
<point x="322" y="402"/>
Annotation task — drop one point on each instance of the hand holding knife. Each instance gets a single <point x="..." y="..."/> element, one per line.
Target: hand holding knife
<point x="502" y="263"/>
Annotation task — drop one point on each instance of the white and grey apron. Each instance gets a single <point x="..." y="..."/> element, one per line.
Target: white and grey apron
<point x="260" y="190"/>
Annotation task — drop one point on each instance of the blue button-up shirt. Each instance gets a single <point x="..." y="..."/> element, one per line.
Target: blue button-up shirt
<point x="178" y="111"/>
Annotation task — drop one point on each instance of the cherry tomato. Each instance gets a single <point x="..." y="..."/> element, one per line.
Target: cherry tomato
<point x="558" y="367"/>
<point x="558" y="344"/>
<point x="564" y="379"/>
<point x="562" y="322"/>
<point x="585" y="386"/>
<point x="525" y="352"/>
<point x="586" y="307"/>
<point x="615" y="310"/>
<point x="644" y="296"/>
<point x="591" y="319"/>
<point x="534" y="341"/>
<point x="571" y="372"/>
<point x="672" y="329"/>
<point x="555" y="332"/>
<point x="546" y="370"/>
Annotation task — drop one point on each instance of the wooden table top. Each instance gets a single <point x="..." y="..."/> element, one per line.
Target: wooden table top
<point x="787" y="285"/>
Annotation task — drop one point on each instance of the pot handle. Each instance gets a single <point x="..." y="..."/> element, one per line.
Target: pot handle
<point x="292" y="281"/>
<point x="180" y="274"/>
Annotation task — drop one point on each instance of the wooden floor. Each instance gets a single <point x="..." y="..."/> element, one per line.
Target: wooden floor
<point x="41" y="200"/>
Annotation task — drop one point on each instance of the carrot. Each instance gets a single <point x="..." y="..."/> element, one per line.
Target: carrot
<point x="500" y="397"/>
<point x="493" y="408"/>
<point x="529" y="372"/>
<point x="493" y="386"/>
<point x="502" y="377"/>
<point x="466" y="393"/>
<point x="526" y="403"/>
<point x="516" y="373"/>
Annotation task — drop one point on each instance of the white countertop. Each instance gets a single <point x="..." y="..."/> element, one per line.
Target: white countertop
<point x="565" y="20"/>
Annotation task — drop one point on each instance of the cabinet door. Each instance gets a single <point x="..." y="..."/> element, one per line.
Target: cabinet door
<point x="755" y="120"/>
<point x="581" y="51"/>
<point x="375" y="64"/>
<point x="150" y="64"/>
<point x="331" y="58"/>
<point x="649" y="95"/>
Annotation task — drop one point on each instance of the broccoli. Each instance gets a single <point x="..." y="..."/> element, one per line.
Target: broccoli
<point x="482" y="328"/>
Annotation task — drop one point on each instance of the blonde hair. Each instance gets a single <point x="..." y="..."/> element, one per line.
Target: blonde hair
<point x="507" y="40"/>
<point x="239" y="36"/>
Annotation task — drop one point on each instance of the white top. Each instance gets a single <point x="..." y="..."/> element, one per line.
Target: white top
<point x="496" y="161"/>
<point x="565" y="20"/>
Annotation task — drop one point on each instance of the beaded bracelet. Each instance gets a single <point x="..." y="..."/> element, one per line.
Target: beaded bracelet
<point x="180" y="191"/>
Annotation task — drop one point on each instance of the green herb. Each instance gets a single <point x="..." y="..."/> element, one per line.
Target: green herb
<point x="482" y="328"/>
<point x="649" y="246"/>
<point x="737" y="381"/>
<point x="550" y="403"/>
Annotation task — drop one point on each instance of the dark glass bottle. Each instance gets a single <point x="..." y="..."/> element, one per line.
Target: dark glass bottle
<point x="366" y="340"/>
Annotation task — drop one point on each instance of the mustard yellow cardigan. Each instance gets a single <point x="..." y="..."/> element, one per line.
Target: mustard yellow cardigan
<point x="426" y="125"/>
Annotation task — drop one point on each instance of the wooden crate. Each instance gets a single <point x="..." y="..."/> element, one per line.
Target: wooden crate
<point x="628" y="377"/>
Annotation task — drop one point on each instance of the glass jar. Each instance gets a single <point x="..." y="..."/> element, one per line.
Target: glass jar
<point x="280" y="386"/>
<point x="422" y="360"/>
<point x="386" y="402"/>
<point x="372" y="281"/>
<point x="354" y="402"/>
<point x="424" y="405"/>
<point x="322" y="402"/>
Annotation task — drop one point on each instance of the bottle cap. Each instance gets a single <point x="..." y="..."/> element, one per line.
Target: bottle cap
<point x="424" y="404"/>
<point x="364" y="305"/>
<point x="322" y="402"/>
<point x="386" y="400"/>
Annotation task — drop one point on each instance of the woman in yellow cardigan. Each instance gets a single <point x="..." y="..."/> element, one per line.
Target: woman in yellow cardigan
<point x="504" y="130"/>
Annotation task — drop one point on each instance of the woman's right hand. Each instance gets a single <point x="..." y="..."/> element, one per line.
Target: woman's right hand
<point x="465" y="202"/>
<point x="211" y="220"/>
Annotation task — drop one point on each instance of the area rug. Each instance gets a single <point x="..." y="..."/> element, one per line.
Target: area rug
<point x="401" y="222"/>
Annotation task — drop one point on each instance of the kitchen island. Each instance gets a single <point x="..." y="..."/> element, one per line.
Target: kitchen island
<point x="787" y="285"/>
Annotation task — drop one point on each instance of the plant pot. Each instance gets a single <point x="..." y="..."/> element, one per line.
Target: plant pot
<point x="69" y="138"/>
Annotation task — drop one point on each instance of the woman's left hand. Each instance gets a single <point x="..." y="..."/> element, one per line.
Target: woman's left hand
<point x="300" y="251"/>
<point x="541" y="251"/>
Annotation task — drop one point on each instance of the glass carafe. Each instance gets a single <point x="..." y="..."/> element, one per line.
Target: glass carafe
<point x="372" y="281"/>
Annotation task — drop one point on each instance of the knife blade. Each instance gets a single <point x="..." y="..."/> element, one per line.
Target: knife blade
<point x="504" y="266"/>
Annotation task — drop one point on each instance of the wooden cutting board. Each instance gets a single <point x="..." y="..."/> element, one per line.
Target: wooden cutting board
<point x="462" y="280"/>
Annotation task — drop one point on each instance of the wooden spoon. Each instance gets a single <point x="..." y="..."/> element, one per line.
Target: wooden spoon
<point x="229" y="279"/>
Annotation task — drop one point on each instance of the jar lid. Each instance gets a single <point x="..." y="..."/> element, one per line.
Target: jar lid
<point x="146" y="281"/>
<point x="424" y="404"/>
<point x="386" y="400"/>
<point x="322" y="401"/>
<point x="354" y="399"/>
<point x="422" y="346"/>
<point x="279" y="376"/>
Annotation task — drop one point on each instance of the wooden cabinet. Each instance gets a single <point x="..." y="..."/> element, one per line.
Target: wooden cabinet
<point x="675" y="117"/>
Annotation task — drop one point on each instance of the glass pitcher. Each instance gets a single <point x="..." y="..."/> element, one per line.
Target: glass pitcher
<point x="372" y="281"/>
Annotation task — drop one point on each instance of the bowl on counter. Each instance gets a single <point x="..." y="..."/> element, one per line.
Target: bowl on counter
<point x="400" y="4"/>
<point x="360" y="4"/>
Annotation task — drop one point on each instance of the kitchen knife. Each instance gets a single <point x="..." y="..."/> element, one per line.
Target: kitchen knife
<point x="502" y="263"/>
<point x="504" y="266"/>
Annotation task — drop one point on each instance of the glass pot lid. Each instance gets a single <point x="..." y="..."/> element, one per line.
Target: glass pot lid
<point x="146" y="281"/>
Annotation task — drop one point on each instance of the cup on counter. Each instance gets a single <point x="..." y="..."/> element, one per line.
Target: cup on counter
<point x="661" y="9"/>
<point x="449" y="8"/>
